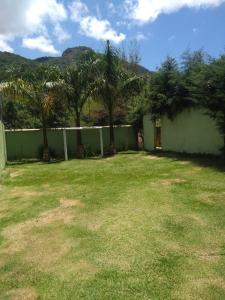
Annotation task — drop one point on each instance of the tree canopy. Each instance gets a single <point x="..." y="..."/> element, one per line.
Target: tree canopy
<point x="108" y="89"/>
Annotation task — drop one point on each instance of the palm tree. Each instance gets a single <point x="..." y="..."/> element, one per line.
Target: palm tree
<point x="114" y="84"/>
<point x="78" y="83"/>
<point x="38" y="89"/>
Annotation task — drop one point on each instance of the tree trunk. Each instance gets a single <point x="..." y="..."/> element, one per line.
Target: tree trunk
<point x="46" y="154"/>
<point x="80" y="147"/>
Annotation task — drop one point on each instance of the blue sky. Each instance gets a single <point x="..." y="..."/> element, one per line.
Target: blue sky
<point x="160" y="27"/>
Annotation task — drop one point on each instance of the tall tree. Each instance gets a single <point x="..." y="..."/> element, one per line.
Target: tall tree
<point x="167" y="90"/>
<point x="111" y="82"/>
<point x="192" y="66"/>
<point x="77" y="88"/>
<point x="39" y="90"/>
<point x="113" y="86"/>
<point x="212" y="91"/>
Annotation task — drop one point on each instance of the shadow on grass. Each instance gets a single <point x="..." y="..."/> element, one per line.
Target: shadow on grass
<point x="108" y="155"/>
<point x="130" y="152"/>
<point x="202" y="160"/>
<point x="60" y="160"/>
<point x="33" y="161"/>
<point x="209" y="161"/>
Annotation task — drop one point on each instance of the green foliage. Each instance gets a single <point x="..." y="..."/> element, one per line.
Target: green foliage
<point x="213" y="91"/>
<point x="101" y="89"/>
<point x="9" y="60"/>
<point x="137" y="106"/>
<point x="116" y="87"/>
<point x="199" y="82"/>
<point x="167" y="90"/>
<point x="26" y="115"/>
<point x="38" y="90"/>
<point x="77" y="83"/>
<point x="18" y="115"/>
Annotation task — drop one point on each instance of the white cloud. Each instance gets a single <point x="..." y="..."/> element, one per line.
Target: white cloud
<point x="100" y="30"/>
<point x="40" y="43"/>
<point x="61" y="34"/>
<point x="92" y="26"/>
<point x="4" y="45"/>
<point x="26" y="17"/>
<point x="78" y="10"/>
<point x="148" y="10"/>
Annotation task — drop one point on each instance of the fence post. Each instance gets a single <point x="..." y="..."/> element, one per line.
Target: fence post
<point x="4" y="142"/>
<point x="65" y="144"/>
<point x="101" y="142"/>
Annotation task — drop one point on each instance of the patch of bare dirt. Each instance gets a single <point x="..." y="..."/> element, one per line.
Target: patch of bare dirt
<point x="206" y="198"/>
<point x="46" y="249"/>
<point x="16" y="173"/>
<point x="168" y="182"/>
<point x="21" y="192"/>
<point x="212" y="198"/>
<point x="57" y="214"/>
<point x="198" y="220"/>
<point x="22" y="294"/>
<point x="153" y="157"/>
<point x="194" y="287"/>
<point x="70" y="203"/>
<point x="81" y="268"/>
<point x="184" y="162"/>
<point x="207" y="256"/>
<point x="42" y="246"/>
<point x="62" y="213"/>
<point x="206" y="282"/>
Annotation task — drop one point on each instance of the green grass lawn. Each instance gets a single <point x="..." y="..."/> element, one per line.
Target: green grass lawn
<point x="134" y="226"/>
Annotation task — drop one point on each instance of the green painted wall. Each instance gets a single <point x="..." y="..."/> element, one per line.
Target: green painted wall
<point x="2" y="147"/>
<point x="149" y="138"/>
<point x="26" y="144"/>
<point x="191" y="131"/>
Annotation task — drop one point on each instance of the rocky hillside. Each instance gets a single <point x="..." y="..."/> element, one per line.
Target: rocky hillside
<point x="69" y="56"/>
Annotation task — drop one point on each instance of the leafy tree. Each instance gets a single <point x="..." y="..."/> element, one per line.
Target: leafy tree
<point x="138" y="104"/>
<point x="111" y="78"/>
<point x="113" y="86"/>
<point x="18" y="115"/>
<point x="77" y="88"/>
<point x="39" y="90"/>
<point x="192" y="66"/>
<point x="193" y="61"/>
<point x="167" y="90"/>
<point x="212" y="90"/>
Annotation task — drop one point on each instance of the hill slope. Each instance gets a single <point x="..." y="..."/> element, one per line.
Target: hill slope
<point x="69" y="56"/>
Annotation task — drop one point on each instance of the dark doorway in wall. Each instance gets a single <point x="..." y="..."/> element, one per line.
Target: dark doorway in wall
<point x="158" y="142"/>
<point x="140" y="140"/>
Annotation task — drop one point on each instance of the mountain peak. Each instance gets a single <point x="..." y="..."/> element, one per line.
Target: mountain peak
<point x="69" y="56"/>
<point x="73" y="54"/>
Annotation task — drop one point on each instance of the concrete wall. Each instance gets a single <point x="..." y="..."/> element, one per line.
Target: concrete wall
<point x="26" y="144"/>
<point x="191" y="131"/>
<point x="2" y="147"/>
